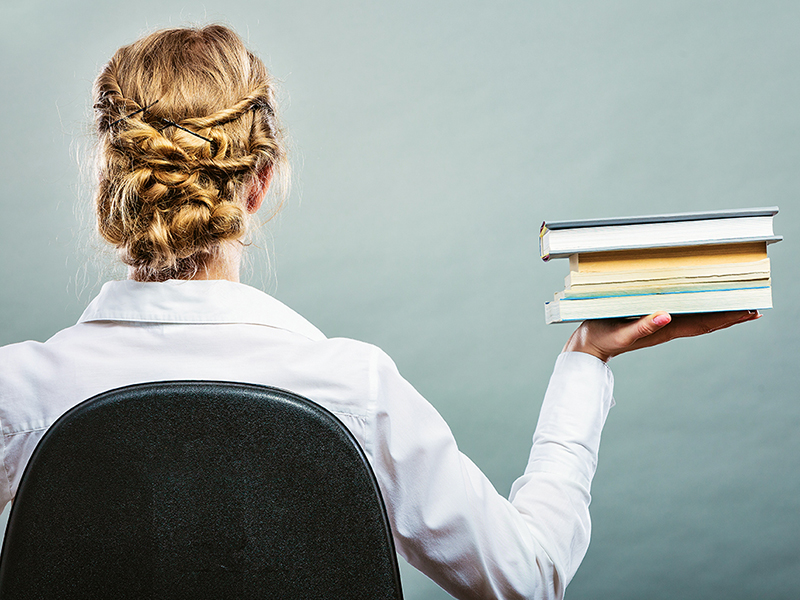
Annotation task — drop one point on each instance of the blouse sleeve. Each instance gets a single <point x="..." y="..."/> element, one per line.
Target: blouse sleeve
<point x="449" y="521"/>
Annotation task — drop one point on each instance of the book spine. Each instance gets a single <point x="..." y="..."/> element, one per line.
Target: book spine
<point x="544" y="250"/>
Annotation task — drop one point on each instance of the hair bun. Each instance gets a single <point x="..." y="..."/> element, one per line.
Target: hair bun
<point x="178" y="150"/>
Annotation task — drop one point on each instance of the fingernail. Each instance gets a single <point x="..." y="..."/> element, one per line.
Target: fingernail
<point x="661" y="320"/>
<point x="750" y="316"/>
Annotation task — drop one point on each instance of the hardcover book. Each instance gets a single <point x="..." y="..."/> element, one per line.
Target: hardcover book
<point x="559" y="239"/>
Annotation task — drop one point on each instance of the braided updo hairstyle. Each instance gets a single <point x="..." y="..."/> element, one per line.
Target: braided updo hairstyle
<point x="187" y="126"/>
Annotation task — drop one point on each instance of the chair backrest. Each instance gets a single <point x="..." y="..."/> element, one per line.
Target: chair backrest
<point x="198" y="490"/>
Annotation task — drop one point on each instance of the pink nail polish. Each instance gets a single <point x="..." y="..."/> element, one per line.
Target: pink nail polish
<point x="661" y="320"/>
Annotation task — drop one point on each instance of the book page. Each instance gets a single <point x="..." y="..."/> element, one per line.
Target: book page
<point x="664" y="258"/>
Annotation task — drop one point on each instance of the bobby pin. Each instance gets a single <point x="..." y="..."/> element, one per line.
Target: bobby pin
<point x="136" y="112"/>
<point x="174" y="124"/>
<point x="167" y="123"/>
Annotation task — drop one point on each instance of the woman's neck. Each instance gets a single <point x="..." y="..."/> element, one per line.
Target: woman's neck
<point x="225" y="265"/>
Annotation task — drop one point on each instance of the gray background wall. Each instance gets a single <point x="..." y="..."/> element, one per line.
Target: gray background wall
<point x="431" y="139"/>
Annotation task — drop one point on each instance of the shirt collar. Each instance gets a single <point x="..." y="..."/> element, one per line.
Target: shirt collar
<point x="195" y="301"/>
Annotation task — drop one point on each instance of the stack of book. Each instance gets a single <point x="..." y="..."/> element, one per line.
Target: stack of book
<point x="679" y="263"/>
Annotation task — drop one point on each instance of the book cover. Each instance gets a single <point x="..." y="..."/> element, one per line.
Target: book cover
<point x="769" y="211"/>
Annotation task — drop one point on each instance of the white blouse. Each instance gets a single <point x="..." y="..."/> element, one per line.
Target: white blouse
<point x="447" y="518"/>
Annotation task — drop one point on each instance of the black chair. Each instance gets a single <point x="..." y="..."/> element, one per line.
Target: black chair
<point x="198" y="490"/>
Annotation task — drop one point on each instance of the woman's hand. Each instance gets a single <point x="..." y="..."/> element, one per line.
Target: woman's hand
<point x="605" y="338"/>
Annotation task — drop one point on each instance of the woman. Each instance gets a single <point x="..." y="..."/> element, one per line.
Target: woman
<point x="189" y="145"/>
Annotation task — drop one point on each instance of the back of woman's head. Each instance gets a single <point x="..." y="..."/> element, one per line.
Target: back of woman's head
<point x="187" y="127"/>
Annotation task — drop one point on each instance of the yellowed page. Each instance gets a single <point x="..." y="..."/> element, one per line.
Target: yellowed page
<point x="665" y="258"/>
<point x="721" y="272"/>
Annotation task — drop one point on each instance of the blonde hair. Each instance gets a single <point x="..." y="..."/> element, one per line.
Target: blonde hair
<point x="187" y="125"/>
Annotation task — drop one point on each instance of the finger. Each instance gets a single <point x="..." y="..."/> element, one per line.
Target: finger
<point x="645" y="326"/>
<point x="655" y="329"/>
<point x="733" y="319"/>
<point x="655" y="322"/>
<point x="702" y="323"/>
